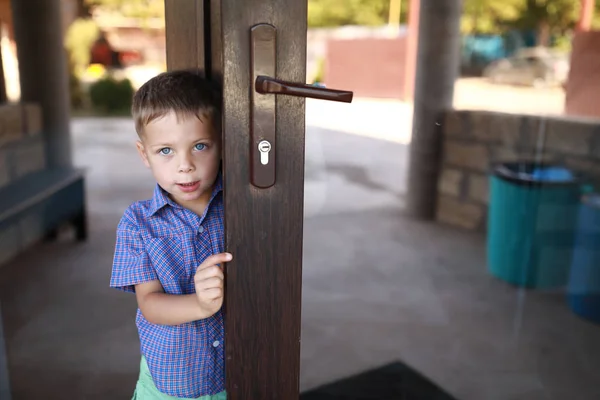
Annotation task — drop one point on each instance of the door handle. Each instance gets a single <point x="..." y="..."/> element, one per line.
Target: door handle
<point x="263" y="65"/>
<point x="268" y="85"/>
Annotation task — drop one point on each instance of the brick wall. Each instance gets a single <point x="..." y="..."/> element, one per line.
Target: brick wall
<point x="22" y="152"/>
<point x="371" y="67"/>
<point x="472" y="140"/>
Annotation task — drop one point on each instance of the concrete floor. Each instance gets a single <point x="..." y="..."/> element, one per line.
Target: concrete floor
<point x="377" y="287"/>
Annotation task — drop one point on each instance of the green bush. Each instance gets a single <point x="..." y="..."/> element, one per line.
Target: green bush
<point x="111" y="95"/>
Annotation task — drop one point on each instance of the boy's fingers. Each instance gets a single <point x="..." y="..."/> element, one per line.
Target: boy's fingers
<point x="215" y="293"/>
<point x="207" y="275"/>
<point x="215" y="259"/>
<point x="212" y="294"/>
<point x="207" y="272"/>
<point x="211" y="283"/>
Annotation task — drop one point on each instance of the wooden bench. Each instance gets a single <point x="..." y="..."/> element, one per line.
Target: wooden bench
<point x="57" y="196"/>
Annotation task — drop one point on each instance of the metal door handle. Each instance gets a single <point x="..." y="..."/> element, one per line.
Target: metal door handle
<point x="263" y="64"/>
<point x="268" y="85"/>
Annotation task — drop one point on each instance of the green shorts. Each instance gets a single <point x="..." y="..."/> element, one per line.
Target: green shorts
<point x="145" y="388"/>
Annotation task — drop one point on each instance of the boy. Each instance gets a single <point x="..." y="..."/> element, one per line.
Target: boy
<point x="169" y="249"/>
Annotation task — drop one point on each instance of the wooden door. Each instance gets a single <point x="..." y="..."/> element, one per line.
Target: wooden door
<point x="263" y="225"/>
<point x="236" y="42"/>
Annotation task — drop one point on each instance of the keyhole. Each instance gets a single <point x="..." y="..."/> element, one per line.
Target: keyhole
<point x="264" y="147"/>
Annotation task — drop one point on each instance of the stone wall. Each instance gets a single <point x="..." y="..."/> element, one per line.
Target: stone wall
<point x="21" y="142"/>
<point x="473" y="140"/>
<point x="22" y="152"/>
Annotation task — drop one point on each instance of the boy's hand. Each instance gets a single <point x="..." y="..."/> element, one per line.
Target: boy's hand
<point x="209" y="282"/>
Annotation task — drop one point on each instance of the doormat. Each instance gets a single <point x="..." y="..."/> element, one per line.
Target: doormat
<point x="394" y="381"/>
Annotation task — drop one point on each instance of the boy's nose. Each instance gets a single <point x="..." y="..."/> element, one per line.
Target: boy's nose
<point x="186" y="165"/>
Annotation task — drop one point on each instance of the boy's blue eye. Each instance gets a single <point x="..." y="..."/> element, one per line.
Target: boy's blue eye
<point x="200" y="146"/>
<point x="165" y="151"/>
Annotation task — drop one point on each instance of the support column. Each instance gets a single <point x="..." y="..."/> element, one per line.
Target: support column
<point x="3" y="97"/>
<point x="438" y="58"/>
<point x="586" y="15"/>
<point x="411" y="49"/>
<point x="43" y="72"/>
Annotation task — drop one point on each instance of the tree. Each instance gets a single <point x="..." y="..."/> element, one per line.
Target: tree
<point x="548" y="17"/>
<point x="545" y="17"/>
<point x="596" y="18"/>
<point x="489" y="16"/>
<point x="327" y="13"/>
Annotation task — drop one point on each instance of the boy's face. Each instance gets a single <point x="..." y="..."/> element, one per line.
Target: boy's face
<point x="184" y="157"/>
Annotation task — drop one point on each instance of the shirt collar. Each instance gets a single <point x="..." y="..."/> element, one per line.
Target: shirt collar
<point x="161" y="198"/>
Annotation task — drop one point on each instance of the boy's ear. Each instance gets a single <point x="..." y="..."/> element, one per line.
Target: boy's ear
<point x="142" y="152"/>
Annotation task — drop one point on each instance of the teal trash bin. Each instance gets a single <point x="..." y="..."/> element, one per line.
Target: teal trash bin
<point x="584" y="278"/>
<point x="531" y="223"/>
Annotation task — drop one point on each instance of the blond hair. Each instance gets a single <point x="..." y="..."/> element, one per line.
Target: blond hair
<point x="185" y="92"/>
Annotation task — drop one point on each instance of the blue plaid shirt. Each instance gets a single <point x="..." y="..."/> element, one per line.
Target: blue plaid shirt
<point x="158" y="239"/>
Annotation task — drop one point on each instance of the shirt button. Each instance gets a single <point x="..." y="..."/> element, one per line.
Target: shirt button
<point x="201" y="229"/>
<point x="216" y="343"/>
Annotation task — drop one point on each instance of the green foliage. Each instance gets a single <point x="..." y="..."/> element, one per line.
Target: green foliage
<point x="556" y="17"/>
<point x="320" y="73"/>
<point x="559" y="15"/>
<point x="549" y="18"/>
<point x="563" y="43"/>
<point x="79" y="40"/>
<point x="489" y="16"/>
<point x="479" y="16"/>
<point x="596" y="17"/>
<point x="495" y="16"/>
<point x="111" y="95"/>
<point x="327" y="13"/>
<point x="131" y="8"/>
